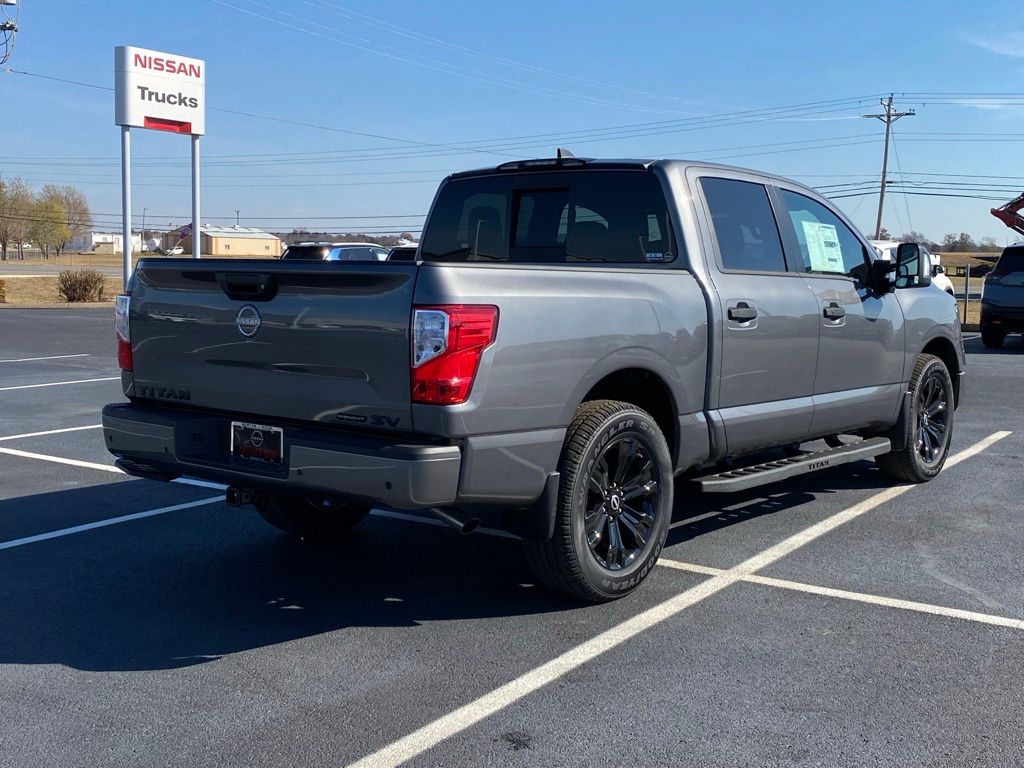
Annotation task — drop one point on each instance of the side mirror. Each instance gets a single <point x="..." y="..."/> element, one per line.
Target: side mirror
<point x="881" y="275"/>
<point x="912" y="269"/>
<point x="937" y="270"/>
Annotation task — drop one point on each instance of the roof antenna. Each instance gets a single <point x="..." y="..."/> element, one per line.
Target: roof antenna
<point x="564" y="153"/>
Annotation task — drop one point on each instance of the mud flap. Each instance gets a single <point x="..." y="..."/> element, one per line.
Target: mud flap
<point x="538" y="521"/>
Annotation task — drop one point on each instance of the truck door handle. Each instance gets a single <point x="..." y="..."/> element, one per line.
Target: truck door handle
<point x="833" y="311"/>
<point x="742" y="312"/>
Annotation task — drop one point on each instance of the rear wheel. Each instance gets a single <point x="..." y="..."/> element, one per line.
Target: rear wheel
<point x="614" y="504"/>
<point x="929" y="425"/>
<point x="309" y="517"/>
<point x="992" y="338"/>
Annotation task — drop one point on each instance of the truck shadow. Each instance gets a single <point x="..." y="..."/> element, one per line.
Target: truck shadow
<point x="1013" y="345"/>
<point x="706" y="513"/>
<point x="192" y="586"/>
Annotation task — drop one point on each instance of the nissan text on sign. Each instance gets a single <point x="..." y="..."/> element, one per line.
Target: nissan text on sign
<point x="160" y="91"/>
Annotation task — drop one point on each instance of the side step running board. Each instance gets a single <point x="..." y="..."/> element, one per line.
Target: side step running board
<point x="773" y="471"/>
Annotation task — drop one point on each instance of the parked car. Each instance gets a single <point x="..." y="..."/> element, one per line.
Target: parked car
<point x="335" y="252"/>
<point x="1002" y="297"/>
<point x="403" y="253"/>
<point x="575" y="335"/>
<point x="887" y="248"/>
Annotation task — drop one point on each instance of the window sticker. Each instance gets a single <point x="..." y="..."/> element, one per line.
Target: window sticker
<point x="657" y="256"/>
<point x="823" y="247"/>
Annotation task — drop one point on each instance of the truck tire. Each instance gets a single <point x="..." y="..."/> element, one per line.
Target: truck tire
<point x="929" y="425"/>
<point x="310" y="518"/>
<point x="992" y="338"/>
<point x="614" y="504"/>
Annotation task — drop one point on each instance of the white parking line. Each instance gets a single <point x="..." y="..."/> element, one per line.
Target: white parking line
<point x="61" y="460"/>
<point x="59" y="383"/>
<point x="858" y="597"/>
<point x="49" y="432"/>
<point x="104" y="523"/>
<point x="447" y="726"/>
<point x="32" y="359"/>
<point x="101" y="467"/>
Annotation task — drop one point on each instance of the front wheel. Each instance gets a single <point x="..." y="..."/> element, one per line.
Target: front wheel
<point x="614" y="504"/>
<point x="307" y="517"/>
<point x="929" y="425"/>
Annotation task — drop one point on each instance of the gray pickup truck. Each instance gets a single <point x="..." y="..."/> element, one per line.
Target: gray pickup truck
<point x="576" y="341"/>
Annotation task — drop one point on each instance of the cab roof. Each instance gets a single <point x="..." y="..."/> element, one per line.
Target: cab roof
<point x="590" y="163"/>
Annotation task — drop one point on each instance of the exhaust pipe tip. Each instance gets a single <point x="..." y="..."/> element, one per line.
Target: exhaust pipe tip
<point x="462" y="526"/>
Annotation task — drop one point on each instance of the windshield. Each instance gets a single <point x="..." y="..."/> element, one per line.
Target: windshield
<point x="574" y="217"/>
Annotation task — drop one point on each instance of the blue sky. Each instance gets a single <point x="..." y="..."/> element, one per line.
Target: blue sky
<point x="456" y="72"/>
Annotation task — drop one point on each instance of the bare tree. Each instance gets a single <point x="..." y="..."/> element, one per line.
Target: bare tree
<point x="77" y="216"/>
<point x="15" y="214"/>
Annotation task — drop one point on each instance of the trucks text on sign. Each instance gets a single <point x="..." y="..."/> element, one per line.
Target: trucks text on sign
<point x="159" y="90"/>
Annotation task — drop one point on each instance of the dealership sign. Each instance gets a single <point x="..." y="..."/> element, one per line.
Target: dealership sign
<point x="158" y="90"/>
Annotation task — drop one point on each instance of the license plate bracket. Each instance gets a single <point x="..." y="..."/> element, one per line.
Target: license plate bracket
<point x="257" y="442"/>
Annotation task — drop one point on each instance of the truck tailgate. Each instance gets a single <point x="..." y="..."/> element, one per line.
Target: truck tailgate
<point x="323" y="342"/>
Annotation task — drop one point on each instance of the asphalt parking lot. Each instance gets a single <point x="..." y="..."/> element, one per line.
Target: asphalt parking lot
<point x="830" y="620"/>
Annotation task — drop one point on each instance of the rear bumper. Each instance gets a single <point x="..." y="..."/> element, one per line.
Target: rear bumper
<point x="162" y="443"/>
<point x="507" y="469"/>
<point x="1009" y="319"/>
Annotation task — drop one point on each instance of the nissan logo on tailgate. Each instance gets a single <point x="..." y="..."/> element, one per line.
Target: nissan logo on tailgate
<point x="248" y="321"/>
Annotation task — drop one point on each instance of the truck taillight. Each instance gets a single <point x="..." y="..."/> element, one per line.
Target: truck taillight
<point x="124" y="339"/>
<point x="447" y="342"/>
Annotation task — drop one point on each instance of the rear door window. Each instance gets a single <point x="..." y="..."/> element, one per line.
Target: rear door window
<point x="1012" y="260"/>
<point x="745" y="228"/>
<point x="581" y="217"/>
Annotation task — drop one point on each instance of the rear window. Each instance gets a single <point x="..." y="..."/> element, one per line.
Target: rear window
<point x="295" y="252"/>
<point x="357" y="253"/>
<point x="582" y="217"/>
<point x="1012" y="260"/>
<point x="402" y="254"/>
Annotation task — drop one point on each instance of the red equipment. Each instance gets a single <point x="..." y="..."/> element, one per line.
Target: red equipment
<point x="1009" y="214"/>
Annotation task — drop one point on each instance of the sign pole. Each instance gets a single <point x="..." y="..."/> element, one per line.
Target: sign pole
<point x="197" y="232"/>
<point x="126" y="204"/>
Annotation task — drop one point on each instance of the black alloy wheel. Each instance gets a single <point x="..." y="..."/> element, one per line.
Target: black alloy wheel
<point x="622" y="503"/>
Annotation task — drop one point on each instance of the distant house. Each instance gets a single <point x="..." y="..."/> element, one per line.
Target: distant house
<point x="225" y="241"/>
<point x="103" y="242"/>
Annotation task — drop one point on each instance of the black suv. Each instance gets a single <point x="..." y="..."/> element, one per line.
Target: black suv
<point x="1002" y="299"/>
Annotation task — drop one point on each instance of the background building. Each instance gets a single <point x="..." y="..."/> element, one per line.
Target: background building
<point x="225" y="241"/>
<point x="103" y="242"/>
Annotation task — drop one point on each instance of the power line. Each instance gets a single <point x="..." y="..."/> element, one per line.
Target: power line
<point x="899" y="168"/>
<point x="501" y="145"/>
<point x="413" y="35"/>
<point x="8" y="32"/>
<point x="370" y="46"/>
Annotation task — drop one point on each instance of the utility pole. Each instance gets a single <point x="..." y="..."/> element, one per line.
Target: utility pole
<point x="888" y="118"/>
